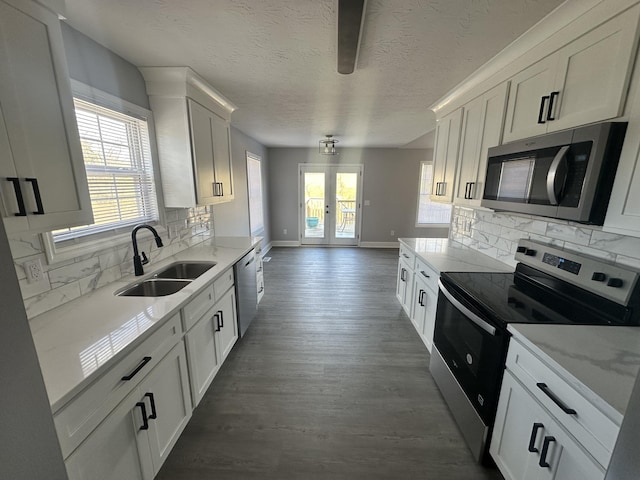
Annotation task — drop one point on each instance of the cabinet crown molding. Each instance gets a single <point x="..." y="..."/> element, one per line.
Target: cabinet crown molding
<point x="175" y="81"/>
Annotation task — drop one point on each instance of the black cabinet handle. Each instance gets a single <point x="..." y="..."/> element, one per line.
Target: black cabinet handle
<point x="217" y="317"/>
<point x="532" y="439"/>
<point x="551" y="99"/>
<point x="152" y="401"/>
<point x="36" y="193"/>
<point x="468" y="191"/>
<point x="543" y="100"/>
<point x="556" y="400"/>
<point x="144" y="361"/>
<point x="145" y="423"/>
<point x="405" y="255"/>
<point x="420" y="298"/>
<point x="424" y="274"/>
<point x="22" y="211"/>
<point x="221" y="318"/>
<point x="545" y="450"/>
<point x="402" y="277"/>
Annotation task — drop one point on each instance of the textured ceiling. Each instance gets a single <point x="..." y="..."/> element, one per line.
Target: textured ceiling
<point x="276" y="59"/>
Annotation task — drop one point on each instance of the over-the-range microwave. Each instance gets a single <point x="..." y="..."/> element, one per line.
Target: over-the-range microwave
<point x="567" y="175"/>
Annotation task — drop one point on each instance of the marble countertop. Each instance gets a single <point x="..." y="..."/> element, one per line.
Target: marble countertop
<point x="79" y="340"/>
<point x="601" y="362"/>
<point x="445" y="255"/>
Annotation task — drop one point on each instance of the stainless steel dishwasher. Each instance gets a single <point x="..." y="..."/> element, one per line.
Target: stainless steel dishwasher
<point x="246" y="291"/>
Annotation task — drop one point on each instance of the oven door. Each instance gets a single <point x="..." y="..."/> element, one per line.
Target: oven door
<point x="473" y="347"/>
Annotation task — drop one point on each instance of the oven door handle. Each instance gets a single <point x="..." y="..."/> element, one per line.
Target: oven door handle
<point x="490" y="329"/>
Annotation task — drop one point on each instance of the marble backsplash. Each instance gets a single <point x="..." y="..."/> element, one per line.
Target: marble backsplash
<point x="497" y="233"/>
<point x="67" y="280"/>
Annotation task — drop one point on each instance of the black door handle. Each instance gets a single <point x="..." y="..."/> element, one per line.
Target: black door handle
<point x="36" y="193"/>
<point x="145" y="423"/>
<point x="545" y="450"/>
<point x="22" y="211"/>
<point x="541" y="114"/>
<point x="144" y="361"/>
<point x="551" y="99"/>
<point x="532" y="440"/>
<point x="152" y="401"/>
<point x="217" y="317"/>
<point x="420" y="298"/>
<point x="221" y="318"/>
<point x="556" y="400"/>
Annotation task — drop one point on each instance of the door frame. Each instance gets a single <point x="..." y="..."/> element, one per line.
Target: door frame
<point x="329" y="240"/>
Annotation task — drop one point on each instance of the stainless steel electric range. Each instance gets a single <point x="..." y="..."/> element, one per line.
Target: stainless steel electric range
<point x="549" y="285"/>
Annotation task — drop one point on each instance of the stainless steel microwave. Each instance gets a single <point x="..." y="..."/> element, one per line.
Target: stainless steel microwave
<point x="567" y="175"/>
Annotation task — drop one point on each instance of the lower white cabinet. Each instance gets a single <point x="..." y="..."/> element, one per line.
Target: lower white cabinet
<point x="227" y="334"/>
<point x="404" y="285"/>
<point x="135" y="438"/>
<point x="529" y="443"/>
<point x="424" y="309"/>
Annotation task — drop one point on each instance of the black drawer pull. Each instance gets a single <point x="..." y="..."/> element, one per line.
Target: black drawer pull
<point x="22" y="211"/>
<point x="144" y="361"/>
<point x="36" y="193"/>
<point x="145" y="423"/>
<point x="424" y="274"/>
<point x="545" y="450"/>
<point x="534" y="434"/>
<point x="152" y="401"/>
<point x="556" y="400"/>
<point x="405" y="255"/>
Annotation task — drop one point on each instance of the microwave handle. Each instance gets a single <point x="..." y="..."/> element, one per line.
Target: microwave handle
<point x="557" y="175"/>
<point x="490" y="329"/>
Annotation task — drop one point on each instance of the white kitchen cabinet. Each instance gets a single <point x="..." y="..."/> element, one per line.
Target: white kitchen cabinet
<point x="523" y="428"/>
<point x="424" y="308"/>
<point x="482" y="127"/>
<point x="404" y="286"/>
<point x="583" y="82"/>
<point x="44" y="184"/>
<point x="136" y="437"/>
<point x="193" y="136"/>
<point x="259" y="273"/>
<point x="227" y="334"/>
<point x="445" y="156"/>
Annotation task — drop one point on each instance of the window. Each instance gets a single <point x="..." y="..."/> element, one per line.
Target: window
<point x="254" y="186"/>
<point x="117" y="158"/>
<point x="430" y="213"/>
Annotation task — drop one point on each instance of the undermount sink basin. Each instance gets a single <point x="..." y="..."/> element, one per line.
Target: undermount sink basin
<point x="154" y="287"/>
<point x="184" y="270"/>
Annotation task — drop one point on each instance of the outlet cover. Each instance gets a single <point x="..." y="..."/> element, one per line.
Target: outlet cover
<point x="33" y="270"/>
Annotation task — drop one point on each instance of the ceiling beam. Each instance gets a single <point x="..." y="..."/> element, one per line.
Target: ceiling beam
<point x="350" y="20"/>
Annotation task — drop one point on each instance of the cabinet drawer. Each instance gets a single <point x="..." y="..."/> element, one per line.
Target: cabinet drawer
<point x="592" y="428"/>
<point x="407" y="256"/>
<point x="222" y="284"/>
<point x="75" y="421"/>
<point x="428" y="274"/>
<point x="197" y="307"/>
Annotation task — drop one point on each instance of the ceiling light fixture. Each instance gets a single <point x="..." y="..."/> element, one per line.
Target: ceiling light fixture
<point x="350" y="20"/>
<point x="327" y="146"/>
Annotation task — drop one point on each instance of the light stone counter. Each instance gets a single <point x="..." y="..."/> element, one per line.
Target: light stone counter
<point x="445" y="255"/>
<point x="80" y="340"/>
<point x="601" y="362"/>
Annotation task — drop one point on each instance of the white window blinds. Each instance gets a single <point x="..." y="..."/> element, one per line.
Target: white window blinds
<point x="430" y="212"/>
<point x="117" y="158"/>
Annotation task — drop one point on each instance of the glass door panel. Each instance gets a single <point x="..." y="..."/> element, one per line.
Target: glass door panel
<point x="346" y="203"/>
<point x="314" y="188"/>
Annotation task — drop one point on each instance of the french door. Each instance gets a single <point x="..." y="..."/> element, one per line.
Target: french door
<point x="330" y="204"/>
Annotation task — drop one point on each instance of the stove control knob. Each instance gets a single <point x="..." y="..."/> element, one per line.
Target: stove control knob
<point x="614" y="282"/>
<point x="521" y="249"/>
<point x="530" y="252"/>
<point x="598" y="277"/>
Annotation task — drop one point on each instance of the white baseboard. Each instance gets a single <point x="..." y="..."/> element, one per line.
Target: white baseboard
<point x="379" y="245"/>
<point x="285" y="243"/>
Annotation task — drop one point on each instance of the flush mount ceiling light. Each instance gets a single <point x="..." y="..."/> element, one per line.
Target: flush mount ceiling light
<point x="327" y="146"/>
<point x="350" y="20"/>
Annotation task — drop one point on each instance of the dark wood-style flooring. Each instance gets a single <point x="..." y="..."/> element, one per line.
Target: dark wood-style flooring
<point x="330" y="382"/>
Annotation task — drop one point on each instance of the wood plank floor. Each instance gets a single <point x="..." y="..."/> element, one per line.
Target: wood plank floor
<point x="330" y="382"/>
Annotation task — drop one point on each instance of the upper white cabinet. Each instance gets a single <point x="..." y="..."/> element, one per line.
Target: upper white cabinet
<point x="43" y="184"/>
<point x="481" y="128"/>
<point x="583" y="82"/>
<point x="192" y="129"/>
<point x="445" y="156"/>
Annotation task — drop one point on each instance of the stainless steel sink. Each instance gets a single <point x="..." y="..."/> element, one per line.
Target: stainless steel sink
<point x="154" y="287"/>
<point x="184" y="270"/>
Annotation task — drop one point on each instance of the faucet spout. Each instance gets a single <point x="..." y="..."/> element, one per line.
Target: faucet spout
<point x="137" y="261"/>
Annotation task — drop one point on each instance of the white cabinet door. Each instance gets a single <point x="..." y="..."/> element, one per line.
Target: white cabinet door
<point x="418" y="309"/>
<point x="222" y="158"/>
<point x="166" y="392"/>
<point x="39" y="125"/>
<point x="528" y="100"/>
<point x="445" y="156"/>
<point x="430" y="301"/>
<point x="528" y="443"/>
<point x="203" y="355"/>
<point x="593" y="73"/>
<point x="228" y="323"/>
<point x="404" y="287"/>
<point x="200" y="121"/>
<point x="117" y="449"/>
<point x="469" y="151"/>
